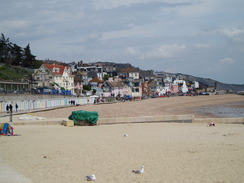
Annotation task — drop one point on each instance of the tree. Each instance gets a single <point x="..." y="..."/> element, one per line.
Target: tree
<point x="94" y="91"/>
<point x="13" y="54"/>
<point x="28" y="58"/>
<point x="105" y="77"/>
<point x="5" y="50"/>
<point x="17" y="55"/>
<point x="37" y="64"/>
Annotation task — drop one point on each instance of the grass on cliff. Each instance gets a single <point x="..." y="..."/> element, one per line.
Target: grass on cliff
<point x="13" y="73"/>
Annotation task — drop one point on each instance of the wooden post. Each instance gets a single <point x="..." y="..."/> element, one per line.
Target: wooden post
<point x="11" y="116"/>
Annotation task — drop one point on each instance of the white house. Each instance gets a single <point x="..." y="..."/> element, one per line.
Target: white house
<point x="54" y="76"/>
<point x="183" y="88"/>
<point x="195" y="85"/>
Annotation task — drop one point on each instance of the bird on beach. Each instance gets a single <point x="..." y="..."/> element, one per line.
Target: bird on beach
<point x="139" y="171"/>
<point x="91" y="177"/>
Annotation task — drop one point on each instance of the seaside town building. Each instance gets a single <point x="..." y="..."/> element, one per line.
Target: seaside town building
<point x="131" y="78"/>
<point x="96" y="85"/>
<point x="115" y="87"/>
<point x="128" y="81"/>
<point x="78" y="85"/>
<point x="53" y="76"/>
<point x="92" y="69"/>
<point x="183" y="88"/>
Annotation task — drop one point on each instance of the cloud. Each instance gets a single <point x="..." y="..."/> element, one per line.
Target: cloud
<point x="132" y="51"/>
<point x="201" y="45"/>
<point x="227" y="60"/>
<point x="236" y="34"/>
<point x="108" y="4"/>
<point x="232" y="32"/>
<point x="164" y="51"/>
<point x="197" y="8"/>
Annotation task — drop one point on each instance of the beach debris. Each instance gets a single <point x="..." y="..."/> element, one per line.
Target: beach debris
<point x="125" y="135"/>
<point x="30" y="117"/>
<point x="90" y="177"/>
<point x="230" y="134"/>
<point x="211" y="124"/>
<point x="44" y="156"/>
<point x="139" y="171"/>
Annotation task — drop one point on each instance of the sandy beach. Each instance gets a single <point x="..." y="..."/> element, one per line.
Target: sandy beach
<point x="151" y="107"/>
<point x="170" y="152"/>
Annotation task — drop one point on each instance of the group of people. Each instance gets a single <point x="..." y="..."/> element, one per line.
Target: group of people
<point x="72" y="102"/>
<point x="9" y="108"/>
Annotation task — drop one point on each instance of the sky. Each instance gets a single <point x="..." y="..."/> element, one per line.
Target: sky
<point x="203" y="38"/>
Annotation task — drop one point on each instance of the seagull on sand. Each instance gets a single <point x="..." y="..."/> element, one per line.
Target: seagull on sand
<point x="91" y="177"/>
<point x="139" y="171"/>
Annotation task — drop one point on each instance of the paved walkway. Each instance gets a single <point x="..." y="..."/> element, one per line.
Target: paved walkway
<point x="5" y="117"/>
<point x="9" y="175"/>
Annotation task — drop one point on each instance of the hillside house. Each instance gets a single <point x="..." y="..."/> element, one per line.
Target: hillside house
<point x="96" y="84"/>
<point x="174" y="88"/>
<point x="135" y="87"/>
<point x="147" y="75"/>
<point x="110" y="70"/>
<point x="152" y="88"/>
<point x="55" y="77"/>
<point x="131" y="78"/>
<point x="83" y="76"/>
<point x="182" y="85"/>
<point x="92" y="69"/>
<point x="115" y="87"/>
<point x="129" y="73"/>
<point x="78" y="85"/>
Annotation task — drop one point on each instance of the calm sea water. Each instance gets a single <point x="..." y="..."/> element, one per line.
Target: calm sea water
<point x="228" y="110"/>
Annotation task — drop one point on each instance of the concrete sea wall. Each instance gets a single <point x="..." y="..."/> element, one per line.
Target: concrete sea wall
<point x="169" y="118"/>
<point x="142" y="119"/>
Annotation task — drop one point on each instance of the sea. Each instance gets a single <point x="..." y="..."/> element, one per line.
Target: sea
<point x="231" y="110"/>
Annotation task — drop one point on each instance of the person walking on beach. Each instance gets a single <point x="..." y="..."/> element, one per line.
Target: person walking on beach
<point x="16" y="107"/>
<point x="7" y="108"/>
<point x="10" y="108"/>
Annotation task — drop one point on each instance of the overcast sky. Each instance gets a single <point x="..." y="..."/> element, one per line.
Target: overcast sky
<point x="202" y="38"/>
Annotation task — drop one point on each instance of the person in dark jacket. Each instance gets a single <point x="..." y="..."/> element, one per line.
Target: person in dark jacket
<point x="7" y="108"/>
<point x="16" y="107"/>
<point x="11" y="108"/>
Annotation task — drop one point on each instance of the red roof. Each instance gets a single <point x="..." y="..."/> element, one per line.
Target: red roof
<point x="96" y="80"/>
<point x="57" y="69"/>
<point x="129" y="70"/>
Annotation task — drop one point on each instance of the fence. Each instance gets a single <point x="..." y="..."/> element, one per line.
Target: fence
<point x="25" y="105"/>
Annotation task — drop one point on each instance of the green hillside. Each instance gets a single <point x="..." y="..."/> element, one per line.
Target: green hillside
<point x="14" y="73"/>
